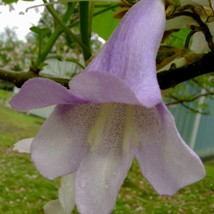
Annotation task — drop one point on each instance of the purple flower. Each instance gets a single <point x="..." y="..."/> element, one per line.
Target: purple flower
<point x="112" y="112"/>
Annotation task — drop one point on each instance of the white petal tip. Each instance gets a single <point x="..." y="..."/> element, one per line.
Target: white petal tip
<point x="23" y="146"/>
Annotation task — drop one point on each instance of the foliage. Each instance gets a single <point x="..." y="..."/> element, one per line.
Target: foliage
<point x="103" y="23"/>
<point x="192" y="94"/>
<point x="9" y="1"/>
<point x="15" y="54"/>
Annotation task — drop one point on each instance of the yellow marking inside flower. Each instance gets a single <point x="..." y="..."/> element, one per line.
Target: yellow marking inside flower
<point x="129" y="135"/>
<point x="116" y="124"/>
<point x="96" y="133"/>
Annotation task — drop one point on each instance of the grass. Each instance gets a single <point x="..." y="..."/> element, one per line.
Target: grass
<point x="24" y="191"/>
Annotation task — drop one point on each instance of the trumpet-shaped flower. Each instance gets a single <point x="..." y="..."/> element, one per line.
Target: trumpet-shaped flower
<point x="112" y="112"/>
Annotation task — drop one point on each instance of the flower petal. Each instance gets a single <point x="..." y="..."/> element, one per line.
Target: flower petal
<point x="66" y="193"/>
<point x="131" y="51"/>
<point x="102" y="173"/>
<point x="61" y="143"/>
<point x="53" y="207"/>
<point x="102" y="88"/>
<point x="65" y="203"/>
<point x="165" y="160"/>
<point x="40" y="92"/>
<point x="23" y="146"/>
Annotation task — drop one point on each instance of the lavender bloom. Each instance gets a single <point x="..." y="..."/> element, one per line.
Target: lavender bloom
<point x="112" y="112"/>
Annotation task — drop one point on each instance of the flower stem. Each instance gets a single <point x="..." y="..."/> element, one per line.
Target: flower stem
<point x="85" y="27"/>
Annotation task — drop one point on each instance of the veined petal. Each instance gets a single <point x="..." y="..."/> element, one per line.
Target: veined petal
<point x="165" y="160"/>
<point x="103" y="88"/>
<point x="61" y="143"/>
<point x="102" y="173"/>
<point x="40" y="92"/>
<point x="131" y="51"/>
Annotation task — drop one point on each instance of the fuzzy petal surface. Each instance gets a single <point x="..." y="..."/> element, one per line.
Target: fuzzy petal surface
<point x="40" y="92"/>
<point x="103" y="88"/>
<point x="165" y="160"/>
<point x="131" y="51"/>
<point x="102" y="173"/>
<point x="61" y="143"/>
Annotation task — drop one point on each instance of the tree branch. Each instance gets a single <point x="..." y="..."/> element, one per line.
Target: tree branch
<point x="184" y="102"/>
<point x="203" y="27"/>
<point x="170" y="78"/>
<point x="166" y="79"/>
<point x="187" y="100"/>
<point x="19" y="78"/>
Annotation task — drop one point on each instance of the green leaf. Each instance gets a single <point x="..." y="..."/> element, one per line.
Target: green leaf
<point x="40" y="31"/>
<point x="177" y="39"/>
<point x="104" y="23"/>
<point x="9" y="1"/>
<point x="35" y="30"/>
